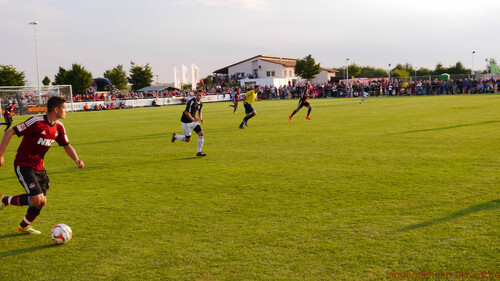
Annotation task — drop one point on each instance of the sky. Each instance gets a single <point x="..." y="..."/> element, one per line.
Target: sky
<point x="212" y="34"/>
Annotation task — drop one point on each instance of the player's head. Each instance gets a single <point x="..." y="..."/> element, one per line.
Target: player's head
<point x="199" y="94"/>
<point x="256" y="88"/>
<point x="57" y="106"/>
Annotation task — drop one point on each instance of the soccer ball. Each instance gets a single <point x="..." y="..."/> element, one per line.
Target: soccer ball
<point x="61" y="233"/>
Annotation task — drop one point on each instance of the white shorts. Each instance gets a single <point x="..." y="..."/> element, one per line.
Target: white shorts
<point x="188" y="127"/>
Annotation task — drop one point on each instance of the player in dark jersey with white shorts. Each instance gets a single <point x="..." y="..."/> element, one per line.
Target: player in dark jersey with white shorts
<point x="190" y="123"/>
<point x="38" y="134"/>
<point x="303" y="102"/>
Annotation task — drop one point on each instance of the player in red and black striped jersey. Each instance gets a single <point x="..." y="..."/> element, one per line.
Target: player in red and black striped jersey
<point x="236" y="97"/>
<point x="9" y="110"/>
<point x="303" y="102"/>
<point x="38" y="134"/>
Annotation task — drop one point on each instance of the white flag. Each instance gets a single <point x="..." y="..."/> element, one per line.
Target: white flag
<point x="184" y="72"/>
<point x="177" y="78"/>
<point x="194" y="76"/>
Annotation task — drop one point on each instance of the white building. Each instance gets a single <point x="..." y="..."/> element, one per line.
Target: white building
<point x="266" y="70"/>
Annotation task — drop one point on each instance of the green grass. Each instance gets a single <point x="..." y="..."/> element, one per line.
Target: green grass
<point x="406" y="184"/>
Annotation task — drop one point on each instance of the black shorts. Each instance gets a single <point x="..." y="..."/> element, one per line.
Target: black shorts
<point x="301" y="104"/>
<point x="34" y="182"/>
<point x="248" y="108"/>
<point x="8" y="120"/>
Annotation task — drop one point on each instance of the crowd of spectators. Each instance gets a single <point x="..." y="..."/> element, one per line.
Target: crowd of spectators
<point x="352" y="88"/>
<point x="421" y="87"/>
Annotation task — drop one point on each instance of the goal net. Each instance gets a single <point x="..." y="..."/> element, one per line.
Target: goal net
<point x="31" y="100"/>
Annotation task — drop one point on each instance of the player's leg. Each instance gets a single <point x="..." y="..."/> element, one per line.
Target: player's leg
<point x="8" y="123"/>
<point x="249" y="116"/>
<point x="308" y="111"/>
<point x="186" y="129"/>
<point x="200" y="133"/>
<point x="36" y="184"/>
<point x="296" y="110"/>
<point x="28" y="180"/>
<point x="249" y="111"/>
<point x="235" y="107"/>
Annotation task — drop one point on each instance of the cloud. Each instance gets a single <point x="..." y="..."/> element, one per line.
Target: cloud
<point x="245" y="4"/>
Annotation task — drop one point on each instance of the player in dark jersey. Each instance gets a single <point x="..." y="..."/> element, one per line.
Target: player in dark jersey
<point x="189" y="122"/>
<point x="9" y="109"/>
<point x="236" y="97"/>
<point x="38" y="134"/>
<point x="303" y="102"/>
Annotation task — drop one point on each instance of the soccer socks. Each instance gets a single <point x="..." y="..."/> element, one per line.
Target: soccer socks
<point x="18" y="200"/>
<point x="200" y="143"/>
<point x="309" y="111"/>
<point x="293" y="113"/>
<point x="31" y="215"/>
<point x="180" y="137"/>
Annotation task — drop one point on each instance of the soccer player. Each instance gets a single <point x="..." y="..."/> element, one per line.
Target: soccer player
<point x="190" y="122"/>
<point x="236" y="96"/>
<point x="303" y="102"/>
<point x="365" y="94"/>
<point x="38" y="134"/>
<point x="9" y="109"/>
<point x="250" y="97"/>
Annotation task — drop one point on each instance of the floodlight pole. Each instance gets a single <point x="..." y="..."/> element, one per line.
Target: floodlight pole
<point x="389" y="73"/>
<point x="347" y="73"/>
<point x="472" y="67"/>
<point x="35" y="23"/>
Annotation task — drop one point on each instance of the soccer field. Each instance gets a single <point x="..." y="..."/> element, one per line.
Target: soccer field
<point x="361" y="192"/>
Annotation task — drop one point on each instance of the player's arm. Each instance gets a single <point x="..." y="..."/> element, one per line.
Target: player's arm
<point x="3" y="145"/>
<point x="200" y="117"/>
<point x="191" y="117"/>
<point x="72" y="154"/>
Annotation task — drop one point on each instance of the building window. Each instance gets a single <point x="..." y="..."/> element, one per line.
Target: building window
<point x="270" y="73"/>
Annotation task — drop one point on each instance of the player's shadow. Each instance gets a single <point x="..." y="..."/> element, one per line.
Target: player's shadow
<point x="25" y="250"/>
<point x="143" y="137"/>
<point x="491" y="205"/>
<point x="12" y="235"/>
<point x="449" y="127"/>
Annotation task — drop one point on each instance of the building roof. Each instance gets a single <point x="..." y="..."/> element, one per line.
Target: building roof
<point x="285" y="61"/>
<point x="274" y="59"/>
<point x="156" y="88"/>
<point x="329" y="70"/>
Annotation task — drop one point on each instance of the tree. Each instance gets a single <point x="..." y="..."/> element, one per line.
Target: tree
<point x="440" y="69"/>
<point x="207" y="80"/>
<point x="401" y="73"/>
<point x="60" y="76"/>
<point x="458" y="68"/>
<point x="379" y="72"/>
<point x="424" y="71"/>
<point x="140" y="76"/>
<point x="307" y="68"/>
<point x="9" y="76"/>
<point x="354" y="70"/>
<point x="46" y="81"/>
<point x="78" y="77"/>
<point x="117" y="76"/>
